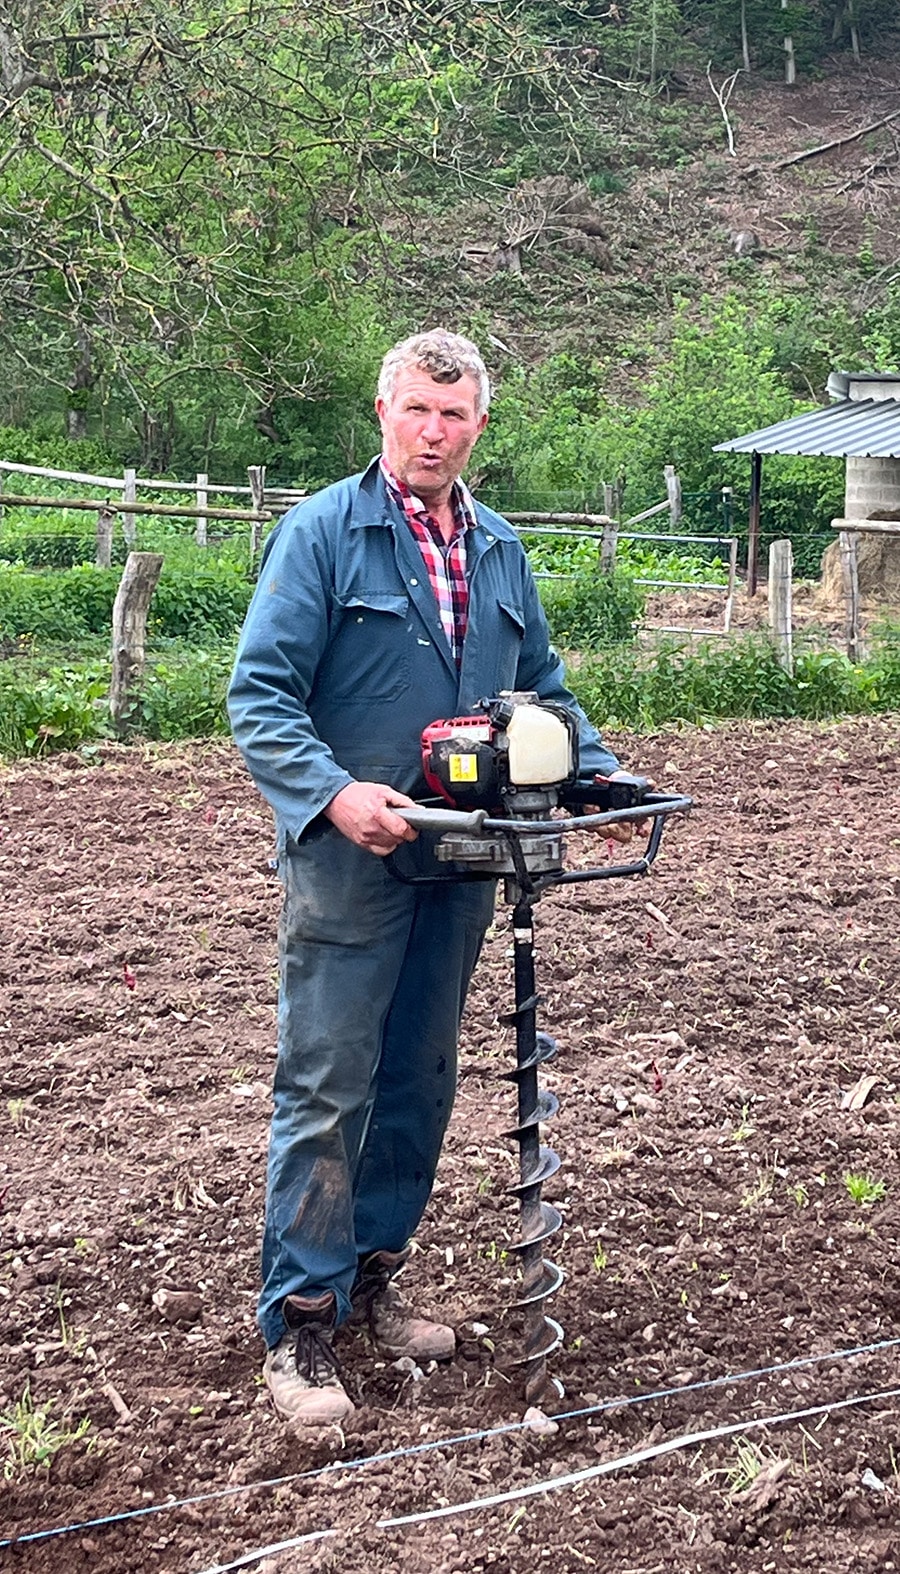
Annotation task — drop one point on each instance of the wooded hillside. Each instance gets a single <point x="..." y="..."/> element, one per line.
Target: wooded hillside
<point x="214" y="219"/>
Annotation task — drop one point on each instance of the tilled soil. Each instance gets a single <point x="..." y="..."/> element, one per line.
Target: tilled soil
<point x="714" y="1025"/>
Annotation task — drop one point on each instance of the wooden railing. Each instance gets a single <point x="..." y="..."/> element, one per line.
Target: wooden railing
<point x="264" y="503"/>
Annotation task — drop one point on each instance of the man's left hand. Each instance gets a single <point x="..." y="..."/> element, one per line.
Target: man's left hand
<point x="623" y="830"/>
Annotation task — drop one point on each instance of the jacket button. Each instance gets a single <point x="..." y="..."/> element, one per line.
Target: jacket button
<point x="414" y="581"/>
<point x="359" y="620"/>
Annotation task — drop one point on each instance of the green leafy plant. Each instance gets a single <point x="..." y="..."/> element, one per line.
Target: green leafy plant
<point x="61" y="710"/>
<point x="32" y="1438"/>
<point x="651" y="685"/>
<point x="590" y="611"/>
<point x="184" y="698"/>
<point x="862" y="1189"/>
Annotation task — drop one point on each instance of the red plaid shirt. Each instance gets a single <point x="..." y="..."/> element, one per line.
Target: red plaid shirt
<point x="444" y="560"/>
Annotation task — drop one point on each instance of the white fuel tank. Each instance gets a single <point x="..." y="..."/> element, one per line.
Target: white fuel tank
<point x="540" y="750"/>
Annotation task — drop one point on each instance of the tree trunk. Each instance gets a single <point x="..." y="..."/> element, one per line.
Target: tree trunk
<point x="129" y="631"/>
<point x="80" y="387"/>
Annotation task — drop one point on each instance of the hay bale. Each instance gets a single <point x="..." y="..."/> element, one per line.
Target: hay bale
<point x="879" y="571"/>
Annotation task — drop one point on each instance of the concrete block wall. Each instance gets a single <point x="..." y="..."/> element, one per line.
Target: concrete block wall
<point x="871" y="485"/>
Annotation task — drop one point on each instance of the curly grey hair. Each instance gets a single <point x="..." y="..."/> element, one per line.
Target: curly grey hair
<point x="444" y="356"/>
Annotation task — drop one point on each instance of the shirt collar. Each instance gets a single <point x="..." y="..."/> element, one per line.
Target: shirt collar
<point x="461" y="498"/>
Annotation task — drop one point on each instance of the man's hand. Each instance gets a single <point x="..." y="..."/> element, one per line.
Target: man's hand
<point x="623" y="830"/>
<point x="362" y="812"/>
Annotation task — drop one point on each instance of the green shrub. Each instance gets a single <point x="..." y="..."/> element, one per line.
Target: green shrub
<point x="194" y="602"/>
<point x="66" y="707"/>
<point x="62" y="709"/>
<point x="200" y="600"/>
<point x="185" y="698"/>
<point x="670" y="682"/>
<point x="62" y="604"/>
<point x="590" y="610"/>
<point x="56" y="546"/>
<point x="35" y="445"/>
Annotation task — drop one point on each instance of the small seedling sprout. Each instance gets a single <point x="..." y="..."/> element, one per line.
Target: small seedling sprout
<point x="862" y="1189"/>
<point x="32" y="1438"/>
<point x="745" y="1127"/>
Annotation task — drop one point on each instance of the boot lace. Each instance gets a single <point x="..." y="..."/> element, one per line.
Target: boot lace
<point x="377" y="1296"/>
<point x="314" y="1356"/>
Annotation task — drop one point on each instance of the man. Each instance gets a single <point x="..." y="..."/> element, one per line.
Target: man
<point x="384" y="602"/>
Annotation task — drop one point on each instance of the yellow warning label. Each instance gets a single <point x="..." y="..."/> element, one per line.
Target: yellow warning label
<point x="463" y="767"/>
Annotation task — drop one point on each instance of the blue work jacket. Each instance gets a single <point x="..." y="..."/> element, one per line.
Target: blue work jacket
<point x="343" y="661"/>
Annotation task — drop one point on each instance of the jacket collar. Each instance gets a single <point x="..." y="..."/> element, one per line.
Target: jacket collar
<point x="373" y="505"/>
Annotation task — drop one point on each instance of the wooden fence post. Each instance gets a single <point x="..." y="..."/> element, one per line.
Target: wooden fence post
<point x="200" y="531"/>
<point x="753" y="522"/>
<point x="850" y="568"/>
<point x="781" y="562"/>
<point x="612" y="500"/>
<point x="129" y="631"/>
<point x="105" y="521"/>
<point x="673" y="489"/>
<point x="129" y="494"/>
<point x="257" y="477"/>
<point x="608" y="543"/>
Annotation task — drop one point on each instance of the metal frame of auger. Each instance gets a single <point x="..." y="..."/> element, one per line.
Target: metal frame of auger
<point x="512" y="843"/>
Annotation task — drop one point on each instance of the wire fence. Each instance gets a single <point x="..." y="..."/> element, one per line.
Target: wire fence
<point x="64" y="537"/>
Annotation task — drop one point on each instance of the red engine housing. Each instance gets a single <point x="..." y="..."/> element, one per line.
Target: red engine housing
<point x="462" y="762"/>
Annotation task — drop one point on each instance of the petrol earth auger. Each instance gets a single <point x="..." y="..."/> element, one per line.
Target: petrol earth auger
<point x="507" y="792"/>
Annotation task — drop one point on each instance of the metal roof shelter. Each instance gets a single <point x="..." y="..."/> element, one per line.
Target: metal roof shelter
<point x="865" y="428"/>
<point x="864" y="423"/>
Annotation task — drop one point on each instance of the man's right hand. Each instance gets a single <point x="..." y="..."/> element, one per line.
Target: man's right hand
<point x="362" y="812"/>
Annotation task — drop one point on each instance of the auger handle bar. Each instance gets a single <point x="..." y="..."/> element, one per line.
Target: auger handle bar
<point x="477" y="822"/>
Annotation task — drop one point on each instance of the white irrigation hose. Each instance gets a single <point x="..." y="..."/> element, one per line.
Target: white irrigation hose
<point x="555" y="1483"/>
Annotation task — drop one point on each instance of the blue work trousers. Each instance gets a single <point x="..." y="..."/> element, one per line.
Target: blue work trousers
<point x="373" y="978"/>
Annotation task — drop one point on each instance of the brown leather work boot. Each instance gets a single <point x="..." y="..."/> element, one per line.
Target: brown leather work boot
<point x="302" y="1372"/>
<point x="395" y="1328"/>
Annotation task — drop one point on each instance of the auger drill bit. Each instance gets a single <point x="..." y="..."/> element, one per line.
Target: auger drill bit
<point x="539" y="1220"/>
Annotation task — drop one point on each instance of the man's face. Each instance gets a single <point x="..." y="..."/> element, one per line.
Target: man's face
<point x="429" y="430"/>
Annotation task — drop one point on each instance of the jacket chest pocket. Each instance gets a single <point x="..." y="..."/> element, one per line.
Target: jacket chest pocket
<point x="508" y="645"/>
<point x="368" y="657"/>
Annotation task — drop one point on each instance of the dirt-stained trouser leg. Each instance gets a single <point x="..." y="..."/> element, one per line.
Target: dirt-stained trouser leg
<point x="344" y="972"/>
<point x="417" y="1071"/>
